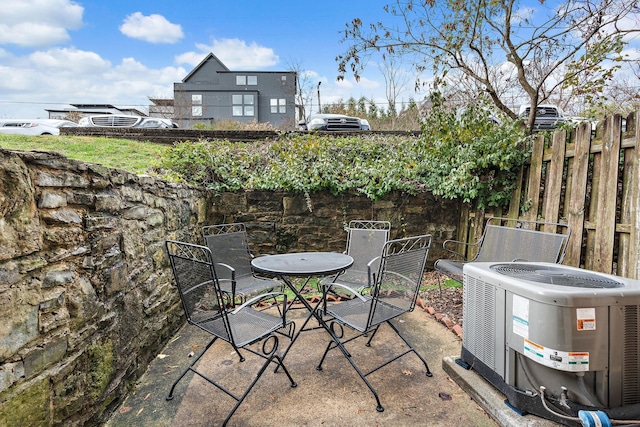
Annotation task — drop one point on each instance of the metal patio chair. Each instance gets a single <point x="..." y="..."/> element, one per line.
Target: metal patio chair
<point x="365" y="240"/>
<point x="230" y="248"/>
<point x="205" y="307"/>
<point x="506" y="240"/>
<point x="394" y="292"/>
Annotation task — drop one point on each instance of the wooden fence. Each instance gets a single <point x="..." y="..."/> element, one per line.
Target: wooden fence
<point x="589" y="182"/>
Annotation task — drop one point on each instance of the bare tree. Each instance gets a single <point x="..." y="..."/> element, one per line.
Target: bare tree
<point x="305" y="86"/>
<point x="543" y="50"/>
<point x="395" y="81"/>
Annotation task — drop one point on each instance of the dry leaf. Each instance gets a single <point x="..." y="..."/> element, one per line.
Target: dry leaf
<point x="125" y="409"/>
<point x="147" y="396"/>
<point x="140" y="411"/>
<point x="407" y="372"/>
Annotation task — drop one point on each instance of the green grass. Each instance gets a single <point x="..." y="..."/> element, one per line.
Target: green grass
<point x="446" y="283"/>
<point x="132" y="156"/>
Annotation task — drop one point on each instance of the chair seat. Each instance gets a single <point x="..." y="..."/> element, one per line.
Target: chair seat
<point x="247" y="326"/>
<point x="355" y="313"/>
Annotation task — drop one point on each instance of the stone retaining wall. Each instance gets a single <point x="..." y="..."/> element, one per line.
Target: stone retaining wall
<point x="86" y="294"/>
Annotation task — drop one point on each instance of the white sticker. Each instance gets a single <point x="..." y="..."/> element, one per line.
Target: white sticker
<point x="520" y="316"/>
<point x="570" y="361"/>
<point x="586" y="319"/>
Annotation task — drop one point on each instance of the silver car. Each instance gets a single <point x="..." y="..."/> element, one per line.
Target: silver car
<point x="34" y="126"/>
<point x="125" y="121"/>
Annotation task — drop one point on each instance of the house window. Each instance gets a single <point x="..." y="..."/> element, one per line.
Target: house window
<point x="252" y="80"/>
<point x="196" y="105"/>
<point x="278" y="105"/>
<point x="241" y="80"/>
<point x="243" y="105"/>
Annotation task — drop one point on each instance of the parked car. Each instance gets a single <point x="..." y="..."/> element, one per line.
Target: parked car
<point x="333" y="122"/>
<point x="548" y="116"/>
<point x="125" y="121"/>
<point x="33" y="126"/>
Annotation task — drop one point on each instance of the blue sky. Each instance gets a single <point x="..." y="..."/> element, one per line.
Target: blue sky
<point x="57" y="52"/>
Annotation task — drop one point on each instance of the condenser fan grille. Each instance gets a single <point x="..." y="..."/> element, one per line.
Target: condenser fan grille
<point x="556" y="276"/>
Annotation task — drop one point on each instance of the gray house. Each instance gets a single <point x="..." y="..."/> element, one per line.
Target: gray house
<point x="211" y="92"/>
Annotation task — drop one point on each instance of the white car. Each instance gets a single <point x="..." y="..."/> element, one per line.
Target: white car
<point x="125" y="121"/>
<point x="34" y="126"/>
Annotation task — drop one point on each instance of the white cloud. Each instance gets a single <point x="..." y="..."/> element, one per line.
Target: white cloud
<point x="153" y="28"/>
<point x="57" y="77"/>
<point x="70" y="60"/>
<point x="236" y="54"/>
<point x="190" y="58"/>
<point x="37" y="23"/>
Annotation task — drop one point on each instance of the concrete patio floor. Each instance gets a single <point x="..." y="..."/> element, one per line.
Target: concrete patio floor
<point x="335" y="396"/>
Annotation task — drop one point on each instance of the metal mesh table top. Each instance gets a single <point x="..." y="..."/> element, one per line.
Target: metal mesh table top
<point x="302" y="263"/>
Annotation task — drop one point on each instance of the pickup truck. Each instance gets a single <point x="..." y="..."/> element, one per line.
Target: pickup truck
<point x="548" y="116"/>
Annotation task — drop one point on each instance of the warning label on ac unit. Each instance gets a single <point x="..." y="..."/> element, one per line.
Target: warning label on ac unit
<point x="570" y="361"/>
<point x="586" y="319"/>
<point x="520" y="316"/>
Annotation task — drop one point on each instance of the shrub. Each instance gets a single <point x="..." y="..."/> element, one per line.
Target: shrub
<point x="458" y="156"/>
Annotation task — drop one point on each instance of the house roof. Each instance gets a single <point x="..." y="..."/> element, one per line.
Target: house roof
<point x="209" y="58"/>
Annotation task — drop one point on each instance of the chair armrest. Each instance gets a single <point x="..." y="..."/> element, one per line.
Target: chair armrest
<point x="371" y="272"/>
<point x="457" y="242"/>
<point x="259" y="298"/>
<point x="228" y="267"/>
<point x="328" y="286"/>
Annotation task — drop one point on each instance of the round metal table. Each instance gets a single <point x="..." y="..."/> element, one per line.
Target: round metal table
<point x="302" y="264"/>
<point x="307" y="265"/>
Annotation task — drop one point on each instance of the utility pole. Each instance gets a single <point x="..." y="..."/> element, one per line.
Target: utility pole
<point x="319" y="104"/>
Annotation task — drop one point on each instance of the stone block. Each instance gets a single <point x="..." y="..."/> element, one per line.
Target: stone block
<point x="139" y="212"/>
<point x="53" y="320"/>
<point x="40" y="358"/>
<point x="53" y="300"/>
<point x="61" y="179"/>
<point x="51" y="199"/>
<point x="131" y="193"/>
<point x="100" y="221"/>
<point x="19" y="327"/>
<point x="57" y="278"/>
<point x="115" y="278"/>
<point x="81" y="198"/>
<point x="10" y="373"/>
<point x="64" y="215"/>
<point x="155" y="218"/>
<point x="106" y="202"/>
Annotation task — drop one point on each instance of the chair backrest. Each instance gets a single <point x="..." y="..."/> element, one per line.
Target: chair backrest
<point x="523" y="240"/>
<point x="198" y="286"/>
<point x="400" y="274"/>
<point x="365" y="241"/>
<point x="228" y="244"/>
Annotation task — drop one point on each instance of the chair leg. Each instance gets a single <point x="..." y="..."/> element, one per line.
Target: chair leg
<point x="411" y="349"/>
<point x="336" y="343"/>
<point x="373" y="334"/>
<point x="270" y="358"/>
<point x="190" y="368"/>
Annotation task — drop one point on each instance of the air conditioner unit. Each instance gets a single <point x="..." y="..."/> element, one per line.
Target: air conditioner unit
<point x="573" y="331"/>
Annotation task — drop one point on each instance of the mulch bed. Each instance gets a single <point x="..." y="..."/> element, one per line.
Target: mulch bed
<point x="445" y="305"/>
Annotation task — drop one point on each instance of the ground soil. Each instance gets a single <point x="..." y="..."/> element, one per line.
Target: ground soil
<point x="448" y="302"/>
